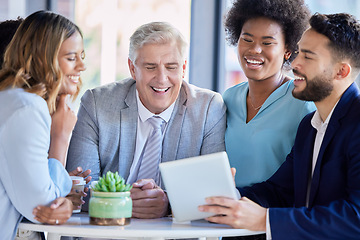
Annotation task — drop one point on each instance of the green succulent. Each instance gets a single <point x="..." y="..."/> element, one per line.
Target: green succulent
<point x="111" y="182"/>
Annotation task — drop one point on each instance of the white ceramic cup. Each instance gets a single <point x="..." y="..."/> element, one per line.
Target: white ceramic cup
<point x="79" y="186"/>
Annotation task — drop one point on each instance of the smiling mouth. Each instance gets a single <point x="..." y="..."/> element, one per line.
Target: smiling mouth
<point x="160" y="90"/>
<point x="298" y="80"/>
<point x="298" y="76"/>
<point x="73" y="78"/>
<point x="254" y="62"/>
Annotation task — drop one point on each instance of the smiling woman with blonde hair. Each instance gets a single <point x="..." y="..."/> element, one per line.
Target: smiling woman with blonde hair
<point x="42" y="65"/>
<point x="32" y="61"/>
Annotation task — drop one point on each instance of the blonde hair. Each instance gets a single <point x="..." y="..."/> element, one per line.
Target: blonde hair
<point x="31" y="59"/>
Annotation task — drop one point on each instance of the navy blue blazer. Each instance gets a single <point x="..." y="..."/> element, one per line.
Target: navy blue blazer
<point x="334" y="202"/>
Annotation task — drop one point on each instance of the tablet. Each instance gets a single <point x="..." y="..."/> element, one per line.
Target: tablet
<point x="189" y="181"/>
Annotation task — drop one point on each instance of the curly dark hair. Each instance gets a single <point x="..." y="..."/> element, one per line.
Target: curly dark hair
<point x="7" y="31"/>
<point x="343" y="30"/>
<point x="292" y="15"/>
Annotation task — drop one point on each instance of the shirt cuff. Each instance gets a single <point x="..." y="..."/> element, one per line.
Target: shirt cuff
<point x="60" y="177"/>
<point x="268" y="230"/>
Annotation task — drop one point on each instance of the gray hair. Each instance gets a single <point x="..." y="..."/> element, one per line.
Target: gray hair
<point x="156" y="32"/>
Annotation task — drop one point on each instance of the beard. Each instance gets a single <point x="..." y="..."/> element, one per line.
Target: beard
<point x="317" y="89"/>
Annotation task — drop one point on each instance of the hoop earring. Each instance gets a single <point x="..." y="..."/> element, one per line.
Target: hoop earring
<point x="287" y="55"/>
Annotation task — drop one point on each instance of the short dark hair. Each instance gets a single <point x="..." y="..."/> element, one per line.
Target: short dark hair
<point x="292" y="15"/>
<point x="343" y="31"/>
<point x="7" y="31"/>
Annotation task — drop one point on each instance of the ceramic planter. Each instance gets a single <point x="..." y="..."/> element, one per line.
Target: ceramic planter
<point x="110" y="208"/>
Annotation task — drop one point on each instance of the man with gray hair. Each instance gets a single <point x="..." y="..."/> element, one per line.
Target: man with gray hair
<point x="130" y="126"/>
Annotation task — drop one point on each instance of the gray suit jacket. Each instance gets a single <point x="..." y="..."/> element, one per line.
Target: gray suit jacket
<point x="104" y="136"/>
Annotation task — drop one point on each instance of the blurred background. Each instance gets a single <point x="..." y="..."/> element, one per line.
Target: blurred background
<point x="108" y="24"/>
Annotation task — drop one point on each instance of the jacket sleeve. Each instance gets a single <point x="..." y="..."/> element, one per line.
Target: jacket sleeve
<point x="215" y="125"/>
<point x="29" y="177"/>
<point x="339" y="219"/>
<point x="84" y="143"/>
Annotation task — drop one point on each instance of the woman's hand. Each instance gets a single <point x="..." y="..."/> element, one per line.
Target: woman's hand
<point x="80" y="173"/>
<point x="59" y="212"/>
<point x="75" y="196"/>
<point x="63" y="122"/>
<point x="63" y="119"/>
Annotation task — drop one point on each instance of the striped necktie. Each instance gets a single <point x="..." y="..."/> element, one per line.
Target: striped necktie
<point x="149" y="167"/>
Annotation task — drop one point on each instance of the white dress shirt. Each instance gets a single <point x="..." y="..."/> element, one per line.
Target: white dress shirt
<point x="321" y="127"/>
<point x="144" y="130"/>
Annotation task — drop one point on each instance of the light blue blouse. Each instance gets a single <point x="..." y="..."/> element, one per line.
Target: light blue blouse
<point x="257" y="148"/>
<point x="27" y="177"/>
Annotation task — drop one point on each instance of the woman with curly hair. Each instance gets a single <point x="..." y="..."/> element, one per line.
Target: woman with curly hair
<point x="262" y="115"/>
<point x="42" y="65"/>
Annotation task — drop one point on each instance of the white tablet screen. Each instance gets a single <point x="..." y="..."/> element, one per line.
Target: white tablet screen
<point x="189" y="181"/>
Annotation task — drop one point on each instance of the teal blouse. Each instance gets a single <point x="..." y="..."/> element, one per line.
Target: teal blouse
<point x="257" y="148"/>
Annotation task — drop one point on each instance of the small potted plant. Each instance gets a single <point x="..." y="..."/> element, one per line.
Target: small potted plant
<point x="110" y="202"/>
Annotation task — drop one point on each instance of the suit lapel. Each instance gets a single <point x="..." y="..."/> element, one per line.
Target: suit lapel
<point x="173" y="130"/>
<point x="302" y="169"/>
<point x="128" y="126"/>
<point x="339" y="112"/>
<point x="330" y="132"/>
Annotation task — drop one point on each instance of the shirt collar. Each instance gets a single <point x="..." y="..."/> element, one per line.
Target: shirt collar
<point x="318" y="124"/>
<point x="145" y="114"/>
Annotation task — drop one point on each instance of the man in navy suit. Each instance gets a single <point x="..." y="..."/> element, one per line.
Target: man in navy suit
<point x="315" y="194"/>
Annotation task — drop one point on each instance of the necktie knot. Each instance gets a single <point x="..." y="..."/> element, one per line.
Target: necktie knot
<point x="156" y="122"/>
